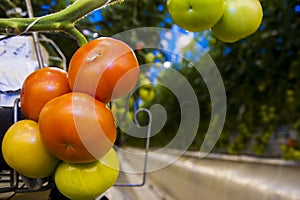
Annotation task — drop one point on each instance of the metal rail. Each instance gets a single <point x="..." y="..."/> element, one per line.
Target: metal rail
<point x="144" y="174"/>
<point x="35" y="36"/>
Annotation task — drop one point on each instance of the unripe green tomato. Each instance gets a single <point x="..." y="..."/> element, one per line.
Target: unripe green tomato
<point x="87" y="181"/>
<point x="196" y="15"/>
<point x="241" y="18"/>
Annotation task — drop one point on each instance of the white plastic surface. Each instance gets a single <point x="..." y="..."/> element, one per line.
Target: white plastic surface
<point x="17" y="61"/>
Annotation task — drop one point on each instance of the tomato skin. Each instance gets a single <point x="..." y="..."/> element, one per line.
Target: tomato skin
<point x="24" y="151"/>
<point x="105" y="68"/>
<point x="77" y="128"/>
<point x="41" y="86"/>
<point x="88" y="180"/>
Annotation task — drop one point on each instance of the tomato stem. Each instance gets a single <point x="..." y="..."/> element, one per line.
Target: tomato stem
<point x="63" y="20"/>
<point x="77" y="35"/>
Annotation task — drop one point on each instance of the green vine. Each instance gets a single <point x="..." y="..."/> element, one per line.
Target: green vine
<point x="62" y="21"/>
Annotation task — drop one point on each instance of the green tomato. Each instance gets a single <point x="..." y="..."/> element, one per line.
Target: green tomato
<point x="146" y="94"/>
<point x="241" y="18"/>
<point x="144" y="81"/>
<point x="196" y="15"/>
<point x="149" y="57"/>
<point x="87" y="181"/>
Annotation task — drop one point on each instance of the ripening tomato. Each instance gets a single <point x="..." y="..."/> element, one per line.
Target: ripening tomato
<point x="41" y="86"/>
<point x="77" y="128"/>
<point x="24" y="151"/>
<point x="105" y="68"/>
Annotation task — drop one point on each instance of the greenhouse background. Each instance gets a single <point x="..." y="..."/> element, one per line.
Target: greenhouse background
<point x="260" y="72"/>
<point x="207" y="119"/>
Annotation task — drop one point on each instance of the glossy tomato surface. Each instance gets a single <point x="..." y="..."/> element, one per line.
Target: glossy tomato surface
<point x="87" y="180"/>
<point x="105" y="68"/>
<point x="24" y="151"/>
<point x="41" y="86"/>
<point x="77" y="128"/>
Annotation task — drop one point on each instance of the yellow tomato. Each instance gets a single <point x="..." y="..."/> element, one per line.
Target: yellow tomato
<point x="24" y="151"/>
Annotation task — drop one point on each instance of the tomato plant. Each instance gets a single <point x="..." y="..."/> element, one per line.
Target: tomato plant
<point x="105" y="68"/>
<point x="41" y="86"/>
<point x="77" y="128"/>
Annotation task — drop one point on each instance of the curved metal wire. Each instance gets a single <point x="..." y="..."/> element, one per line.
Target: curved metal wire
<point x="142" y="183"/>
<point x="35" y="35"/>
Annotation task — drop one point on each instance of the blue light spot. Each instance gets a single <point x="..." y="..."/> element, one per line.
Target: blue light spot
<point x="261" y="27"/>
<point x="279" y="40"/>
<point x="160" y="8"/>
<point x="263" y="51"/>
<point x="98" y="27"/>
<point x="227" y="50"/>
<point x="204" y="43"/>
<point x="188" y="55"/>
<point x="46" y="7"/>
<point x="162" y="24"/>
<point x="54" y="2"/>
<point x="168" y="19"/>
<point x="96" y="16"/>
<point x="297" y="8"/>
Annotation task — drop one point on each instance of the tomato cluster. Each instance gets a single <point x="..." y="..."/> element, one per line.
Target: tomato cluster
<point x="228" y="20"/>
<point x="69" y="109"/>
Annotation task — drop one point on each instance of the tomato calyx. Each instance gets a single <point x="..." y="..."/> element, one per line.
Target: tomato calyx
<point x="69" y="145"/>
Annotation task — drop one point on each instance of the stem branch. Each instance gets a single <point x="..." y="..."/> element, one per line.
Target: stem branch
<point x="63" y="20"/>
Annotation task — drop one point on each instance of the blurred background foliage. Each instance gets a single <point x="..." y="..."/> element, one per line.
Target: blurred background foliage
<point x="261" y="76"/>
<point x="261" y="73"/>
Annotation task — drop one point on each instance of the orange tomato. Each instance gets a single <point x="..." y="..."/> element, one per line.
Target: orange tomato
<point x="77" y="128"/>
<point x="41" y="86"/>
<point x="105" y="68"/>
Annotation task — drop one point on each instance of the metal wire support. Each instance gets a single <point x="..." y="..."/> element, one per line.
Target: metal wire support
<point x="16" y="109"/>
<point x="17" y="184"/>
<point x="35" y="36"/>
<point x="146" y="149"/>
<point x="62" y="57"/>
<point x="8" y="177"/>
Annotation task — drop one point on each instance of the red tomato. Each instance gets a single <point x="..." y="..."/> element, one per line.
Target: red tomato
<point x="105" y="68"/>
<point x="41" y="86"/>
<point x="77" y="128"/>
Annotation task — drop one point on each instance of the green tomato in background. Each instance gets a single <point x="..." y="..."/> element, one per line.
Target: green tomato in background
<point x="146" y="90"/>
<point x="240" y="19"/>
<point x="147" y="94"/>
<point x="149" y="57"/>
<point x="87" y="180"/>
<point x="196" y="15"/>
